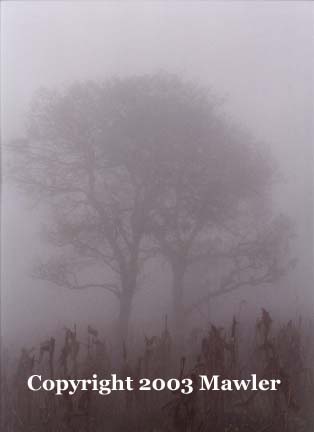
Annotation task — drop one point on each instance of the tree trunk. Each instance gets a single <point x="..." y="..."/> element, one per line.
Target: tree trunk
<point x="124" y="315"/>
<point x="178" y="272"/>
<point x="128" y="285"/>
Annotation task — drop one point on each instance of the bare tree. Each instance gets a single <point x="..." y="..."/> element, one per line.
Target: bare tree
<point x="85" y="156"/>
<point x="216" y="204"/>
<point x="130" y="168"/>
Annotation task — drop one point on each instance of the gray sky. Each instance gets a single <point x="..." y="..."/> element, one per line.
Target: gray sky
<point x="259" y="55"/>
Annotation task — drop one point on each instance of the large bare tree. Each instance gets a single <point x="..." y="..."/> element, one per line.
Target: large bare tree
<point x="216" y="206"/>
<point x="86" y="156"/>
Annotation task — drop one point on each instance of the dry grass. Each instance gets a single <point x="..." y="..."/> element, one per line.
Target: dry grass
<point x="275" y="351"/>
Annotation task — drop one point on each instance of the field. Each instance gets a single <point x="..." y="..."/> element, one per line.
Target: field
<point x="268" y="349"/>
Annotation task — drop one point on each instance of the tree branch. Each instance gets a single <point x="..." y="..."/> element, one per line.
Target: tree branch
<point x="228" y="287"/>
<point x="113" y="288"/>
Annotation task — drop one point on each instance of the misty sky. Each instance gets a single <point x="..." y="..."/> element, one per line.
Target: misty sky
<point x="258" y="55"/>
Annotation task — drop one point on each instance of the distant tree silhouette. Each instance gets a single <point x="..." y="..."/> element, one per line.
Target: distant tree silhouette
<point x="139" y="166"/>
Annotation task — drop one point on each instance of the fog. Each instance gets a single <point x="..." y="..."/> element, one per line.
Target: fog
<point x="258" y="57"/>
